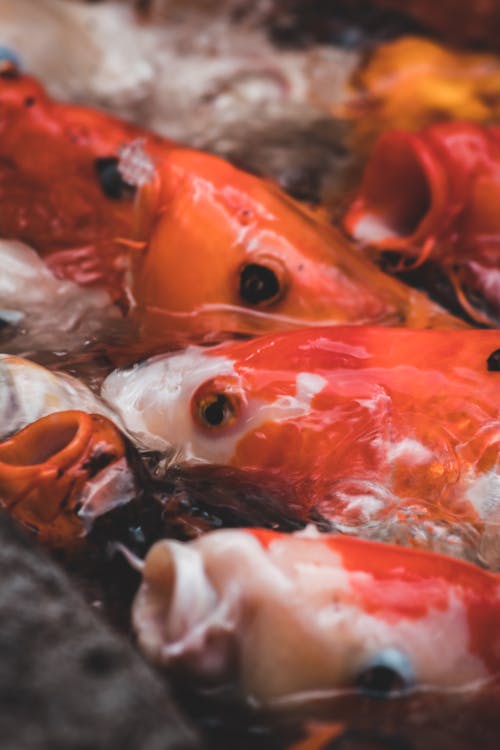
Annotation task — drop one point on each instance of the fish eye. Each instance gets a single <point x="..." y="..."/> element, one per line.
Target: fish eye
<point x="261" y="283"/>
<point x="493" y="361"/>
<point x="215" y="405"/>
<point x="110" y="179"/>
<point x="388" y="673"/>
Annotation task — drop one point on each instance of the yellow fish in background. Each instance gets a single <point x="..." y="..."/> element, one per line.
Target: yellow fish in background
<point x="413" y="82"/>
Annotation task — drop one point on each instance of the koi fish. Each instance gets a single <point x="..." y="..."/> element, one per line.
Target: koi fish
<point x="227" y="251"/>
<point x="371" y="428"/>
<point x="459" y="20"/>
<point x="223" y="247"/>
<point x="307" y="617"/>
<point x="29" y="391"/>
<point x="412" y="82"/>
<point x="60" y="187"/>
<point x="61" y="472"/>
<point x="434" y="194"/>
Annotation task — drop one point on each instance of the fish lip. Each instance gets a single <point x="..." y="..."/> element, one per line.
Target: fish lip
<point x="417" y="153"/>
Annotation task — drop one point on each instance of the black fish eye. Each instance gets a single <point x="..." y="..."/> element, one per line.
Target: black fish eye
<point x="112" y="183"/>
<point x="388" y="673"/>
<point x="258" y="284"/>
<point x="493" y="361"/>
<point x="216" y="410"/>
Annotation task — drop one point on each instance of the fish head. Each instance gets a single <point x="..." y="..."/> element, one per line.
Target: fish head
<point x="61" y="472"/>
<point x="226" y="250"/>
<point x="249" y="404"/>
<point x="313" y="617"/>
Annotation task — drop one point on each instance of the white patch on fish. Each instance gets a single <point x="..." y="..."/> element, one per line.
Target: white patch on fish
<point x="153" y="400"/>
<point x="372" y="228"/>
<point x="409" y="449"/>
<point x="484" y="494"/>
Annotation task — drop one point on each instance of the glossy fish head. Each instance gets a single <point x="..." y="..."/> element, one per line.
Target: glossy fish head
<point x="168" y="403"/>
<point x="202" y="401"/>
<point x="312" y="617"/>
<point x="198" y="405"/>
<point x="61" y="472"/>
<point x="227" y="251"/>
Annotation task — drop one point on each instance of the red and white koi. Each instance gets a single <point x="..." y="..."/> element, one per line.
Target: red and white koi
<point x="305" y="617"/>
<point x="359" y="423"/>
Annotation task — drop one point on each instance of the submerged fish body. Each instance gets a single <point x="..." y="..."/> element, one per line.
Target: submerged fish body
<point x="61" y="472"/>
<point x="60" y="187"/>
<point x="359" y="423"/>
<point x="228" y="251"/>
<point x="307" y="617"/>
<point x="435" y="194"/>
<point x="29" y="391"/>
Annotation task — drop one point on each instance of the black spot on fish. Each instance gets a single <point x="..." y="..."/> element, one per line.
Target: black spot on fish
<point x="493" y="361"/>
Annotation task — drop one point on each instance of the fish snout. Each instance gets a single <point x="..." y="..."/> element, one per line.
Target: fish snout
<point x="61" y="472"/>
<point x="178" y="615"/>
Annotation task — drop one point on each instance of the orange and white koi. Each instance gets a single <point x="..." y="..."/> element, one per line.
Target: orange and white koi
<point x="228" y="251"/>
<point x="299" y="618"/>
<point x="361" y="424"/>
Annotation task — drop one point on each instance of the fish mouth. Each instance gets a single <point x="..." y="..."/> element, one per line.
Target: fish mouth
<point x="53" y="438"/>
<point x="402" y="195"/>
